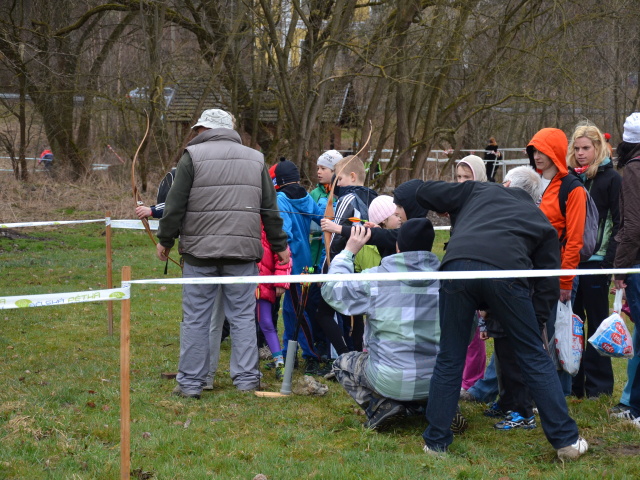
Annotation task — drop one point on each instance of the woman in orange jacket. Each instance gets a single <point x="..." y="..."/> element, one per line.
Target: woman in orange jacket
<point x="547" y="152"/>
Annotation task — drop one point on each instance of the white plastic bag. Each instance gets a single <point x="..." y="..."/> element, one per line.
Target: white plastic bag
<point x="569" y="338"/>
<point x="612" y="338"/>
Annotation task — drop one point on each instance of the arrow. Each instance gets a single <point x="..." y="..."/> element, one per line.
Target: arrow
<point x="351" y="219"/>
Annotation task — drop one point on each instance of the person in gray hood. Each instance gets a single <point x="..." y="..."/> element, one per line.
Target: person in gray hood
<point x="221" y="192"/>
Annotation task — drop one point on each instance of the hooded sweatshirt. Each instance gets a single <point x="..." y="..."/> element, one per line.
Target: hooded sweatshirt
<point x="570" y="227"/>
<point x="297" y="227"/>
<point x="476" y="164"/>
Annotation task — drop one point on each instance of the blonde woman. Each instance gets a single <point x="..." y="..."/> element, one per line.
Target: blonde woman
<point x="588" y="158"/>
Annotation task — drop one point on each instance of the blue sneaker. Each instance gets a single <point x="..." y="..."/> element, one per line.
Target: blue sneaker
<point x="515" y="420"/>
<point x="494" y="411"/>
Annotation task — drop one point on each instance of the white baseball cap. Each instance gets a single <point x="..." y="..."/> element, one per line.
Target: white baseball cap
<point x="215" y="118"/>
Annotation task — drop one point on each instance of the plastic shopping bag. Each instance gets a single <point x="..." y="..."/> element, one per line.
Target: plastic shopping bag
<point x="569" y="338"/>
<point x="612" y="338"/>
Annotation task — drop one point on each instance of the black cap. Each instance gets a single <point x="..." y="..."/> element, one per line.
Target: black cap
<point x="416" y="235"/>
<point x="286" y="172"/>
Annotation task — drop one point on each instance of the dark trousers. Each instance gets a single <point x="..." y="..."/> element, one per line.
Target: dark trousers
<point x="325" y="319"/>
<point x="515" y="396"/>
<point x="595" y="376"/>
<point x="509" y="300"/>
<point x="353" y="328"/>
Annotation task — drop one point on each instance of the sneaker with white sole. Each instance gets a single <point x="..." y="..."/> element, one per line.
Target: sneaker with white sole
<point x="573" y="451"/>
<point x="619" y="408"/>
<point x="515" y="420"/>
<point x="628" y="417"/>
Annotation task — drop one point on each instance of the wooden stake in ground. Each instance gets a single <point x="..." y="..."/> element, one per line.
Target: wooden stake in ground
<point x="109" y="275"/>
<point x="125" y="407"/>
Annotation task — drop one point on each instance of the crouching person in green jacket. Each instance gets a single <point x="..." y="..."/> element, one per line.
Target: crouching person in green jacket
<point x="391" y="379"/>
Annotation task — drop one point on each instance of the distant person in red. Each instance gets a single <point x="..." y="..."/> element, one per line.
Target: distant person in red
<point x="607" y="137"/>
<point x="46" y="158"/>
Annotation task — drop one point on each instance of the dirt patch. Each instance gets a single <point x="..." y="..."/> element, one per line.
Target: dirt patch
<point x="15" y="235"/>
<point x="630" y="450"/>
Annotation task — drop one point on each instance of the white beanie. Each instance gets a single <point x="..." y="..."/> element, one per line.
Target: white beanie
<point x="215" y="118"/>
<point x="329" y="159"/>
<point x="631" y="132"/>
<point x="381" y="208"/>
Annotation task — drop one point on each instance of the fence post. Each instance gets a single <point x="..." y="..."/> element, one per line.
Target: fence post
<point x="125" y="407"/>
<point x="109" y="274"/>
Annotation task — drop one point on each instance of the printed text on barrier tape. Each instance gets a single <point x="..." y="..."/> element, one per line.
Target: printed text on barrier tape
<point x="134" y="224"/>
<point x="66" y="298"/>
<point x="382" y="277"/>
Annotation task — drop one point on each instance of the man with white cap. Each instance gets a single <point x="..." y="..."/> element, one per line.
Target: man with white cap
<point x="221" y="194"/>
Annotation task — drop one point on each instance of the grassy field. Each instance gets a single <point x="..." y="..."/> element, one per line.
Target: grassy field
<point x="59" y="401"/>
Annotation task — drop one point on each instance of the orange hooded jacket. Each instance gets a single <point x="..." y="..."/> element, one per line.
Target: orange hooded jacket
<point x="553" y="143"/>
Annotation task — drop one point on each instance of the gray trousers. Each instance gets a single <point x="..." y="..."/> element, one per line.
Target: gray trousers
<point x="215" y="335"/>
<point x="239" y="307"/>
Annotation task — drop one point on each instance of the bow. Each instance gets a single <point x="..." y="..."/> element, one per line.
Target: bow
<point x="134" y="188"/>
<point x="328" y="211"/>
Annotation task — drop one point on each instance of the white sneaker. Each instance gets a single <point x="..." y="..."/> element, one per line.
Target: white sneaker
<point x="571" y="452"/>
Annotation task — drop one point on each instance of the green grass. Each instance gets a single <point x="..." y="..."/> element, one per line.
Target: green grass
<point x="59" y="402"/>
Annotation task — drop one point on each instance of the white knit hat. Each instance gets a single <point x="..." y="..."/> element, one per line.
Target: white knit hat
<point x="215" y="118"/>
<point x="381" y="208"/>
<point x="631" y="132"/>
<point x="329" y="159"/>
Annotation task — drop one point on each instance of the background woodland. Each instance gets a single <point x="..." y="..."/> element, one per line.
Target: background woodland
<point x="302" y="76"/>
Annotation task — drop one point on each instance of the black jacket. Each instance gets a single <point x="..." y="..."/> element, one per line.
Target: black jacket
<point x="354" y="201"/>
<point x="385" y="240"/>
<point x="604" y="188"/>
<point x="501" y="227"/>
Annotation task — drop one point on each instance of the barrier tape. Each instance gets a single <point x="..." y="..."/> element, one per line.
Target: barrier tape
<point x="134" y="224"/>
<point x="66" y="298"/>
<point x="128" y="224"/>
<point x="42" y="224"/>
<point x="382" y="277"/>
<point x="123" y="293"/>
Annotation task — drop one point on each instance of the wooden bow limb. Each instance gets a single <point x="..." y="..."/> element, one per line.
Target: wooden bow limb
<point x="136" y="194"/>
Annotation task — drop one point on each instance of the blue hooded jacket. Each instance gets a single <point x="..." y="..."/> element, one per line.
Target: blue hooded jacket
<point x="297" y="227"/>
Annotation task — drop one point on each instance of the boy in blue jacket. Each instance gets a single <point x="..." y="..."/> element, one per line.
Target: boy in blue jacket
<point x="297" y="209"/>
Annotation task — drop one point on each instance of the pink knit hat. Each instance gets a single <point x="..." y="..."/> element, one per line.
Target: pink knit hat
<point x="381" y="208"/>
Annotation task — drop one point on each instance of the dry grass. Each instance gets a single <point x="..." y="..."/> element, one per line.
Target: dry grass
<point x="44" y="198"/>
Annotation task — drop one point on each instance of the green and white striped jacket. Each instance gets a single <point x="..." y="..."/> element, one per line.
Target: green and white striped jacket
<point x="403" y="329"/>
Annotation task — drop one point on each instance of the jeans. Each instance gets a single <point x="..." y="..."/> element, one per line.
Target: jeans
<point x="486" y="389"/>
<point x="633" y="380"/>
<point x="509" y="300"/>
